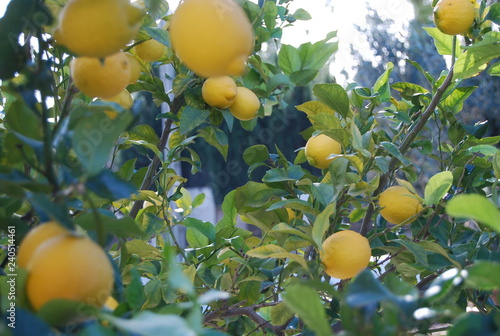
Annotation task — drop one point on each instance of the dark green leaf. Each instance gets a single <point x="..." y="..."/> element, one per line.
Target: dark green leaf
<point x="334" y="96"/>
<point x="365" y="289"/>
<point x="254" y="154"/>
<point x="289" y="59"/>
<point x="482" y="275"/>
<point x="191" y="118"/>
<point x="108" y="185"/>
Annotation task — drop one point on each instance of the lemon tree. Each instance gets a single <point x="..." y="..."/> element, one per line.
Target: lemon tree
<point x="396" y="233"/>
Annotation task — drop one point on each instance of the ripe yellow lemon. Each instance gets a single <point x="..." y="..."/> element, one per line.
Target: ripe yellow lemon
<point x="319" y="148"/>
<point x="124" y="99"/>
<point x="35" y="237"/>
<point x="72" y="268"/>
<point x="150" y="50"/>
<point x="454" y="17"/>
<point x="219" y="91"/>
<point x="213" y="38"/>
<point x="101" y="78"/>
<point x="246" y="105"/>
<point x="398" y="204"/>
<point x="97" y="28"/>
<point x="345" y="254"/>
<point x="135" y="68"/>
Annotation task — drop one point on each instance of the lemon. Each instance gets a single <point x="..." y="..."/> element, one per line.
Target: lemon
<point x="72" y="268"/>
<point x="135" y="68"/>
<point x="124" y="99"/>
<point x="319" y="148"/>
<point x="454" y="17"/>
<point x="398" y="204"/>
<point x="246" y="105"/>
<point x="97" y="28"/>
<point x="345" y="254"/>
<point x="219" y="91"/>
<point x="101" y="78"/>
<point x="213" y="38"/>
<point x="35" y="237"/>
<point x="150" y="50"/>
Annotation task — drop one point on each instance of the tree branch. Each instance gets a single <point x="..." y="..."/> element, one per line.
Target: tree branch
<point x="405" y="145"/>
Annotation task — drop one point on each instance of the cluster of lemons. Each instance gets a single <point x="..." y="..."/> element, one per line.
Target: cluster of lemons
<point x="102" y="69"/>
<point x="62" y="264"/>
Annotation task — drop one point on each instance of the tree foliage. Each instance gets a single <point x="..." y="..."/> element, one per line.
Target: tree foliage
<point x="61" y="159"/>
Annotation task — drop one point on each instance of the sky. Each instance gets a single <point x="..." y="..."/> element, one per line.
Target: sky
<point x="330" y="15"/>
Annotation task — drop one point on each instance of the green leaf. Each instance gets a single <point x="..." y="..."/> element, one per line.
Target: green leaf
<point x="303" y="77"/>
<point x="134" y="291"/>
<point x="121" y="227"/>
<point x="437" y="186"/>
<point x="229" y="212"/>
<point x="365" y="289"/>
<point x="281" y="174"/>
<point x="475" y="59"/>
<point x="454" y="102"/>
<point x="275" y="251"/>
<point x="280" y="313"/>
<point x="494" y="13"/>
<point x="392" y="149"/>
<point x="181" y="83"/>
<point x="289" y="59"/>
<point x="325" y="122"/>
<point x="384" y="78"/>
<point x="205" y="228"/>
<point x="315" y="56"/>
<point x="58" y="312"/>
<point x="442" y="41"/>
<point x="270" y="12"/>
<point x="277" y="82"/>
<point x="216" y="138"/>
<point x="108" y="185"/>
<point x="322" y="223"/>
<point x="191" y="118"/>
<point x="159" y="34"/>
<point x="144" y="132"/>
<point x="415" y="249"/>
<point x="254" y="154"/>
<point x="94" y="135"/>
<point x="334" y="96"/>
<point x="176" y="277"/>
<point x="473" y="324"/>
<point x="436" y="248"/>
<point x="285" y="228"/>
<point x="476" y="207"/>
<point x="147" y="323"/>
<point x="301" y="14"/>
<point x="143" y="249"/>
<point x="481" y="275"/>
<point x="305" y="301"/>
<point x="313" y="108"/>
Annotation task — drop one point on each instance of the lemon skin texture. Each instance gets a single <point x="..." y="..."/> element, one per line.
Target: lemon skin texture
<point x="97" y="28"/>
<point x="219" y="91"/>
<point x="345" y="254"/>
<point x="212" y="38"/>
<point x="101" y="78"/>
<point x="36" y="237"/>
<point x="72" y="268"/>
<point x="398" y="204"/>
<point x="319" y="148"/>
<point x="246" y="105"/>
<point x="453" y="17"/>
<point x="150" y="50"/>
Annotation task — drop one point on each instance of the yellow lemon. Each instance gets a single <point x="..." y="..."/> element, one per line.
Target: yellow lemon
<point x="97" y="28"/>
<point x="135" y="68"/>
<point x="150" y="50"/>
<point x="454" y="17"/>
<point x="36" y="237"/>
<point x="246" y="105"/>
<point x="213" y="38"/>
<point x="72" y="268"/>
<point x="319" y="148"/>
<point x="219" y="91"/>
<point x="101" y="78"/>
<point x="398" y="204"/>
<point x="345" y="254"/>
<point x="124" y="99"/>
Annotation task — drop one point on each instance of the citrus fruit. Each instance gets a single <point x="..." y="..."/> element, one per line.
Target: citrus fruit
<point x="212" y="38"/>
<point x="150" y="50"/>
<point x="69" y="267"/>
<point x="219" y="91"/>
<point x="35" y="237"/>
<point x="245" y="105"/>
<point x="319" y="148"/>
<point x="454" y="17"/>
<point x="345" y="254"/>
<point x="124" y="99"/>
<point x="135" y="68"/>
<point x="97" y="28"/>
<point x="101" y="78"/>
<point x="398" y="204"/>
